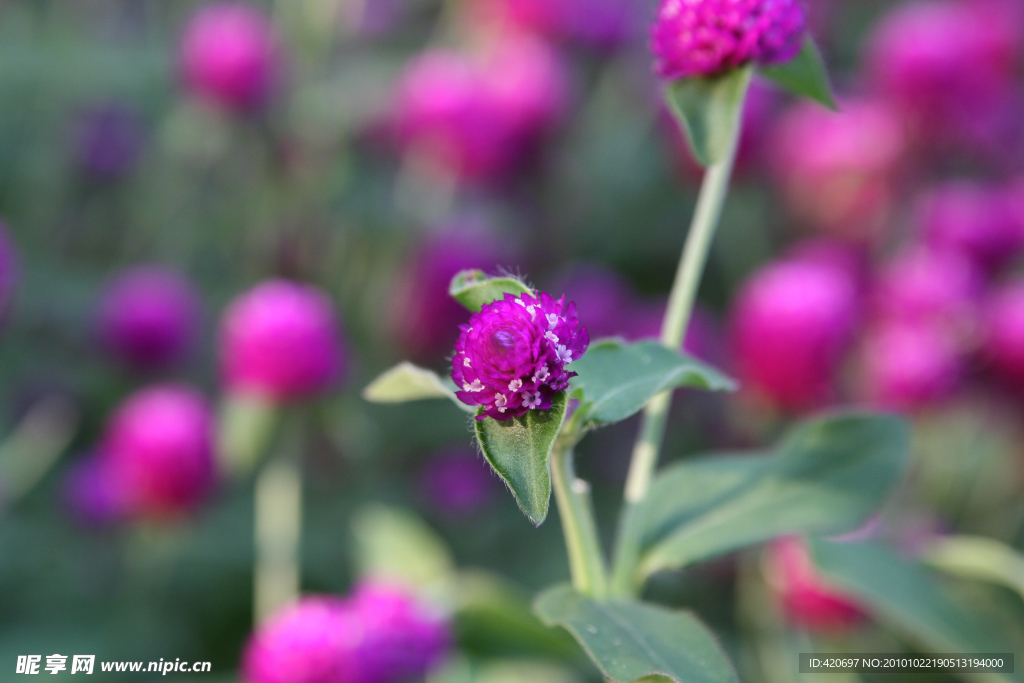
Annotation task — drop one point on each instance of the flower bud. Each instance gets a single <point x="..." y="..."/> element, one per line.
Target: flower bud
<point x="806" y="599"/>
<point x="974" y="220"/>
<point x="707" y="37"/>
<point x="159" y="445"/>
<point x="402" y="639"/>
<point x="1003" y="334"/>
<point x="148" y="317"/>
<point x="908" y="366"/>
<point x="281" y="340"/>
<point x="511" y="357"/>
<point x="312" y="641"/>
<point x="229" y="56"/>
<point x="791" y="324"/>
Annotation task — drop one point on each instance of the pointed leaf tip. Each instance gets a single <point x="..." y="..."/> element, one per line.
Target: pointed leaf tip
<point x="805" y="75"/>
<point x="474" y="289"/>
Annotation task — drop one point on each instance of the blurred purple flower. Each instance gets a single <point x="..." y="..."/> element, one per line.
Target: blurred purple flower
<point x="311" y="641"/>
<point x="159" y="445"/>
<point x="149" y="316"/>
<point x="229" y="55"/>
<point x="457" y="483"/>
<point x="598" y="24"/>
<point x="92" y="494"/>
<point x="908" y="366"/>
<point x="707" y="37"/>
<point x="511" y="357"/>
<point x="925" y="285"/>
<point x="791" y="324"/>
<point x="108" y="140"/>
<point x="281" y="339"/>
<point x="1003" y="334"/>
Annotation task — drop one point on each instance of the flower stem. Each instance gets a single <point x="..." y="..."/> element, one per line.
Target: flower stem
<point x="713" y="191"/>
<point x="572" y="495"/>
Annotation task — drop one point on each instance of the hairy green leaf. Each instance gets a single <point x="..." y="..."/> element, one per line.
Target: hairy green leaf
<point x="407" y="382"/>
<point x="474" y="289"/>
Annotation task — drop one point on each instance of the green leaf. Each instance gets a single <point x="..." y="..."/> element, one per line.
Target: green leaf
<point x="710" y="111"/>
<point x="519" y="450"/>
<point x="618" y="379"/>
<point x="407" y="382"/>
<point x="827" y="477"/>
<point x="908" y="597"/>
<point x="396" y="545"/>
<point x="805" y="75"/>
<point x="474" y="289"/>
<point x="630" y="640"/>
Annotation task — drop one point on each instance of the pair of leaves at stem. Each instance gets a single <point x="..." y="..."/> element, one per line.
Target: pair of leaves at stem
<point x="711" y="109"/>
<point x="615" y="381"/>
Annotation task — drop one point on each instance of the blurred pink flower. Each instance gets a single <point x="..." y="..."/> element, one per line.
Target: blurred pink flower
<point x="281" y="339"/>
<point x="807" y="600"/>
<point x="922" y="285"/>
<point x="92" y="493"/>
<point x="229" y="55"/>
<point x="457" y="483"/>
<point x="148" y="317"/>
<point x="598" y="24"/>
<point x="1003" y="333"/>
<point x="908" y="366"/>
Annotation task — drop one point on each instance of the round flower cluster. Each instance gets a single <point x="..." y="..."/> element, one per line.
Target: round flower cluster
<point x="707" y="37"/>
<point x="511" y="357"/>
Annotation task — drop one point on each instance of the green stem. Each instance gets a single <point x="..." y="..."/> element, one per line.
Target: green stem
<point x="572" y="495"/>
<point x="713" y="191"/>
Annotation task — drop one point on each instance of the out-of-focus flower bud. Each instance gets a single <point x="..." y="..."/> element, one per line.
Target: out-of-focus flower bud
<point x="92" y="494"/>
<point x="229" y="55"/>
<point x="148" y="317"/>
<point x="312" y="641"/>
<point x="806" y="599"/>
<point x="403" y="640"/>
<point x="281" y="340"/>
<point x="909" y="366"/>
<point x="457" y="483"/>
<point x="511" y="357"/>
<point x="108" y="140"/>
<point x="927" y="286"/>
<point x="836" y="170"/>
<point x="159" y="445"/>
<point x="791" y="324"/>
<point x="1003" y="334"/>
<point x="707" y="37"/>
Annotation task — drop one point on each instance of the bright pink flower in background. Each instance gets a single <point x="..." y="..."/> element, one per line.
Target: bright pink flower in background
<point x="148" y="317"/>
<point x="908" y="366"/>
<point x="159" y="444"/>
<point x="707" y="37"/>
<point x="792" y="321"/>
<point x="312" y="641"/>
<point x="837" y="170"/>
<point x="229" y="55"/>
<point x="511" y="356"/>
<point x="282" y="340"/>
<point x="972" y="219"/>
<point x="93" y="494"/>
<point x="598" y="24"/>
<point x="807" y="600"/>
<point x="457" y="483"/>
<point x="1003" y="334"/>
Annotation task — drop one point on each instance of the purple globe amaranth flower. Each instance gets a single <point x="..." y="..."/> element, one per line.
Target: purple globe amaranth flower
<point x="229" y="55"/>
<point x="93" y="494"/>
<point x="402" y="638"/>
<point x="457" y="483"/>
<point x="149" y="316"/>
<point x="311" y="641"/>
<point x="159" y="445"/>
<point x="281" y="340"/>
<point x="511" y="357"/>
<point x="707" y="37"/>
<point x="1003" y="334"/>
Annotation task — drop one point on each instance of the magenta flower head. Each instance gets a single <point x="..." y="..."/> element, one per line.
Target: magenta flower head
<point x="403" y="639"/>
<point x="92" y="493"/>
<point x="159" y="444"/>
<point x="311" y="641"/>
<point x="791" y="324"/>
<point x="281" y="340"/>
<point x="707" y="37"/>
<point x="229" y="55"/>
<point x="807" y="600"/>
<point x="1003" y="334"/>
<point x="457" y="483"/>
<point x="511" y="357"/>
<point x="926" y="285"/>
<point x="149" y="317"/>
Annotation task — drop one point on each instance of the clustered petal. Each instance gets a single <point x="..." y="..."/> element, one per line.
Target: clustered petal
<point x="511" y="357"/>
<point x="706" y="37"/>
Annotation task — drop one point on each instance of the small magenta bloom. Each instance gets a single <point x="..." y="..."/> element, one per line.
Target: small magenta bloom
<point x="807" y="600"/>
<point x="909" y="366"/>
<point x="972" y="219"/>
<point x="1003" y="334"/>
<point x="159" y="444"/>
<point x="149" y="316"/>
<point x="402" y="639"/>
<point x="92" y="494"/>
<point x="281" y="340"/>
<point x="312" y="641"/>
<point x="229" y="55"/>
<point x="511" y="357"/>
<point x="707" y="37"/>
<point x="791" y="324"/>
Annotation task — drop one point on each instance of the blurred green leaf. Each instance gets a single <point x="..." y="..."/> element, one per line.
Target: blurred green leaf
<point x="981" y="558"/>
<point x="805" y="75"/>
<point x="245" y="428"/>
<point x="34" y="446"/>
<point x="398" y="546"/>
<point x="407" y="382"/>
<point x="519" y="450"/>
<point x="618" y="379"/>
<point x="630" y="640"/>
<point x="474" y="289"/>
<point x="827" y="477"/>
<point x="904" y="594"/>
<point x="710" y="111"/>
